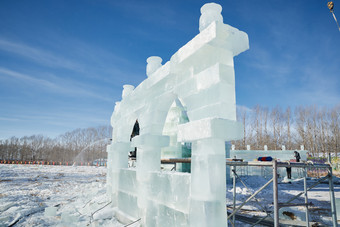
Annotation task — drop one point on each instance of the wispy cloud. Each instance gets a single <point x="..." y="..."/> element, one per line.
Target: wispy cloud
<point x="30" y="79"/>
<point x="8" y="119"/>
<point x="62" y="87"/>
<point x="38" y="55"/>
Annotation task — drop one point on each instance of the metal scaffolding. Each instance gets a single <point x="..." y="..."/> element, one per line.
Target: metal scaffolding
<point x="275" y="165"/>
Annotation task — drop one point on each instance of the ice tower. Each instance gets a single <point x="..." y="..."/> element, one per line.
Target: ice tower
<point x="201" y="75"/>
<point x="177" y="115"/>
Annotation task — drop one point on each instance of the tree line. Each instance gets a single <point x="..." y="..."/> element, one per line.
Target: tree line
<point x="317" y="129"/>
<point x="80" y="145"/>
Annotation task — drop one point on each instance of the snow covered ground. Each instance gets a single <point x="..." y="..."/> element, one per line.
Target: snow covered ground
<point x="35" y="195"/>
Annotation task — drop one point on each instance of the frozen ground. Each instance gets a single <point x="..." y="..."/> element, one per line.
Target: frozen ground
<point x="33" y="195"/>
<point x="69" y="195"/>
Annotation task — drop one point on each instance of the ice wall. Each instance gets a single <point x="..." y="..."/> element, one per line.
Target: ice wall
<point x="280" y="155"/>
<point x="201" y="75"/>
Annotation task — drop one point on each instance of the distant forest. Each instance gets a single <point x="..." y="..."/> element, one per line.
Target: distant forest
<point x="318" y="129"/>
<point x="88" y="144"/>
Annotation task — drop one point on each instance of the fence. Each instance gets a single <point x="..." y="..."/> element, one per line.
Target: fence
<point x="20" y="162"/>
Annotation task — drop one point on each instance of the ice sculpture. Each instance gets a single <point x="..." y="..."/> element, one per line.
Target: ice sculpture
<point x="201" y="75"/>
<point x="177" y="115"/>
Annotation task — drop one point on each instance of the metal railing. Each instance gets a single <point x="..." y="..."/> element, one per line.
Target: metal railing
<point x="275" y="165"/>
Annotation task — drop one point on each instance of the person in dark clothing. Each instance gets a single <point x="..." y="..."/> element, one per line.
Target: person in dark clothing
<point x="289" y="169"/>
<point x="289" y="172"/>
<point x="297" y="156"/>
<point x="135" y="132"/>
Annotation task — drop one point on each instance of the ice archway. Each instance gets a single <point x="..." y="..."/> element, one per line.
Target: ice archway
<point x="201" y="75"/>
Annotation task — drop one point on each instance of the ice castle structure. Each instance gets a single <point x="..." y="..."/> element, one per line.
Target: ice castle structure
<point x="199" y="76"/>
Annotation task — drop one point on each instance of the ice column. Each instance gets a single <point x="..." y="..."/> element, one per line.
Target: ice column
<point x="149" y="159"/>
<point x="212" y="111"/>
<point x="208" y="168"/>
<point x="118" y="154"/>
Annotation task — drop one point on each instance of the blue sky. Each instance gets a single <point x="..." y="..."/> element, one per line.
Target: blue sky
<point x="63" y="63"/>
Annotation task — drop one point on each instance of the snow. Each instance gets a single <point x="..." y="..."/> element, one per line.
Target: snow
<point x="65" y="195"/>
<point x="54" y="196"/>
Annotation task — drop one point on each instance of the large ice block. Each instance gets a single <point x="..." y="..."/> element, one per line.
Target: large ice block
<point x="208" y="128"/>
<point x="215" y="74"/>
<point x="127" y="181"/>
<point x="216" y="34"/>
<point x="149" y="140"/>
<point x="220" y="93"/>
<point x="207" y="177"/>
<point x="204" y="213"/>
<point x="216" y="110"/>
<point x="127" y="203"/>
<point x="148" y="160"/>
<point x="119" y="153"/>
<point x="50" y="211"/>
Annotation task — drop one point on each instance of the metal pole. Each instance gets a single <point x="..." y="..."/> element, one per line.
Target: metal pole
<point x="306" y="197"/>
<point x="250" y="197"/>
<point x="308" y="189"/>
<point x="331" y="193"/>
<point x="234" y="191"/>
<point x="275" y="195"/>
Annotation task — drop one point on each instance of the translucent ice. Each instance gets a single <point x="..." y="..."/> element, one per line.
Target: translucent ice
<point x="188" y="100"/>
<point x="209" y="128"/>
<point x="50" y="211"/>
<point x="154" y="63"/>
<point x="66" y="217"/>
<point x="210" y="12"/>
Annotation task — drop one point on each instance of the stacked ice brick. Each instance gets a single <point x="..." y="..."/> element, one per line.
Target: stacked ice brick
<point x="201" y="75"/>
